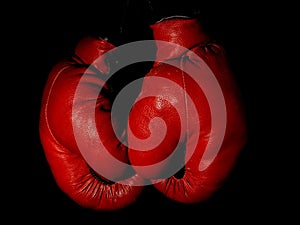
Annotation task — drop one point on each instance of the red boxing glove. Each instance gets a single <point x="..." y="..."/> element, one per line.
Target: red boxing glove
<point x="72" y="119"/>
<point x="193" y="150"/>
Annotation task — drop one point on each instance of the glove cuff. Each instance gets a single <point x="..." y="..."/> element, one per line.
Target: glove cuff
<point x="90" y="49"/>
<point x="184" y="31"/>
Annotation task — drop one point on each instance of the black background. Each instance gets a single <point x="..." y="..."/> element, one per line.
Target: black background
<point x="255" y="191"/>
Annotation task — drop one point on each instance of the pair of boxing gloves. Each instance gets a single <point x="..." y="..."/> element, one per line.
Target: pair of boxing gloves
<point x="188" y="104"/>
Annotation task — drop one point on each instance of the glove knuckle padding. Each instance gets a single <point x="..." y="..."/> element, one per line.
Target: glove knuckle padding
<point x="193" y="185"/>
<point x="62" y="113"/>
